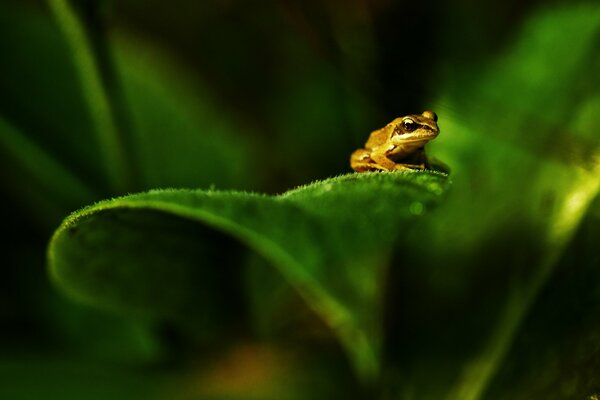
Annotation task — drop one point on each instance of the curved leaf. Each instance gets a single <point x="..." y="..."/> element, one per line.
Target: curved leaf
<point x="330" y="240"/>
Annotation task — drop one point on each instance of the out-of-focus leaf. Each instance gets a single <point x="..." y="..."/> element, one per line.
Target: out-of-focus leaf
<point x="36" y="176"/>
<point x="51" y="163"/>
<point x="557" y="353"/>
<point x="330" y="240"/>
<point x="40" y="92"/>
<point x="97" y="336"/>
<point x="251" y="371"/>
<point x="181" y="137"/>
<point x="314" y="112"/>
<point x="245" y="371"/>
<point x="521" y="138"/>
<point x="289" y="86"/>
<point x="46" y="378"/>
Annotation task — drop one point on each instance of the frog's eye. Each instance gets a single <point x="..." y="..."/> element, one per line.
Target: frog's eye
<point x="409" y="125"/>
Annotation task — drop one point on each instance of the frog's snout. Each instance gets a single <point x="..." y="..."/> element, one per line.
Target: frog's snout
<point x="431" y="130"/>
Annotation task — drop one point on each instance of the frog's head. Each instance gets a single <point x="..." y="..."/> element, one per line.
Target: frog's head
<point x="417" y="129"/>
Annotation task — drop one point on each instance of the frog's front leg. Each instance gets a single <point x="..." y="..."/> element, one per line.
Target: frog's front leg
<point x="361" y="161"/>
<point x="382" y="161"/>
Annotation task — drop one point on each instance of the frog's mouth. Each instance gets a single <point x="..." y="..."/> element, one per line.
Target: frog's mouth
<point x="424" y="133"/>
<point x="420" y="138"/>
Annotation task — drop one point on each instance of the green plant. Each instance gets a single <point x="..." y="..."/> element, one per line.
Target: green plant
<point x="478" y="285"/>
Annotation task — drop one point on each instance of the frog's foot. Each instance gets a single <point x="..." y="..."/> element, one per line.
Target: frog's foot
<point x="367" y="167"/>
<point x="409" y="167"/>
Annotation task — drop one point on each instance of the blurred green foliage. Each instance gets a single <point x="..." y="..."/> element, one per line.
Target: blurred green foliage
<point x="480" y="285"/>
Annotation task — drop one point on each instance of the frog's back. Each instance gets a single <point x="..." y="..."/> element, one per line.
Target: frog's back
<point x="377" y="138"/>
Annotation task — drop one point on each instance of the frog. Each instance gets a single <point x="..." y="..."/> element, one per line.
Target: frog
<point x="398" y="146"/>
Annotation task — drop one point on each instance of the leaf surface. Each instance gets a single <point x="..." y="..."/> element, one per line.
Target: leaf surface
<point x="331" y="240"/>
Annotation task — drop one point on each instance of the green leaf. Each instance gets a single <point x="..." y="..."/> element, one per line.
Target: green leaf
<point x="557" y="356"/>
<point x="179" y="136"/>
<point x="53" y="165"/>
<point x="521" y="137"/>
<point x="97" y="92"/>
<point x="36" y="176"/>
<point x="330" y="240"/>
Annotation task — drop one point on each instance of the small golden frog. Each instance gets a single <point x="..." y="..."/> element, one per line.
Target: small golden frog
<point x="398" y="146"/>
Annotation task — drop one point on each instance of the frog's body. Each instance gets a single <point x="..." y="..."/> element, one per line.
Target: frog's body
<point x="397" y="146"/>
